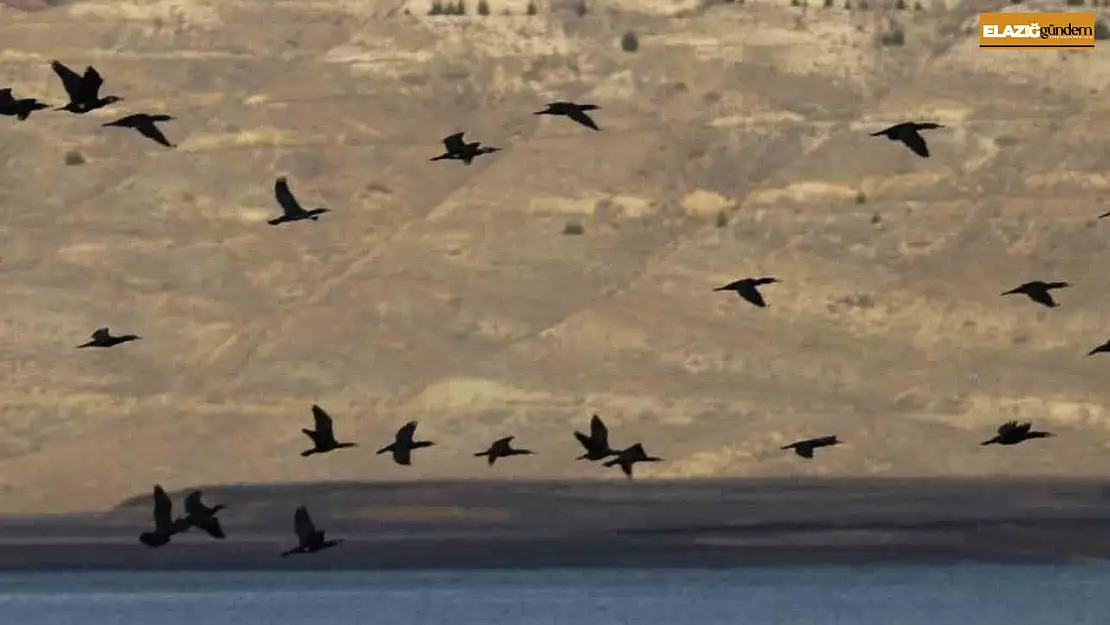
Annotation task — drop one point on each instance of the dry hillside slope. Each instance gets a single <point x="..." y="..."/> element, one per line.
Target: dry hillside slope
<point x="449" y="294"/>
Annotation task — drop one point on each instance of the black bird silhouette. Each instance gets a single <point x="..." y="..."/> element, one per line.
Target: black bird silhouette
<point x="1104" y="215"/>
<point x="459" y="150"/>
<point x="144" y="124"/>
<point x="103" y="338"/>
<point x="165" y="525"/>
<point x="199" y="515"/>
<point x="907" y="133"/>
<point x="805" y="448"/>
<point x="597" y="443"/>
<point x="83" y="91"/>
<point x="403" y="444"/>
<point x="577" y="112"/>
<point x="1101" y="349"/>
<point x="502" y="448"/>
<point x="291" y="208"/>
<point x="309" y="538"/>
<point x="323" y="438"/>
<point x="20" y="108"/>
<point x="1039" y="291"/>
<point x="748" y="289"/>
<point x="629" y="457"/>
<point x="1012" y="433"/>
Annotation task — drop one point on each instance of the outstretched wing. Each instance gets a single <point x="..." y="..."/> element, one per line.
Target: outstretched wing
<point x="598" y="431"/>
<point x="454" y="143"/>
<point x="1007" y="427"/>
<point x="1022" y="428"/>
<point x="100" y="334"/>
<point x="154" y="133"/>
<point x="584" y="440"/>
<point x="6" y="94"/>
<point x="915" y="142"/>
<point x="582" y="118"/>
<point x="324" y="427"/>
<point x="405" y="434"/>
<point x="927" y="126"/>
<point x="193" y="504"/>
<point x="209" y="524"/>
<point x="752" y="295"/>
<point x="71" y="81"/>
<point x="92" y="81"/>
<point x="502" y="442"/>
<point x="289" y="204"/>
<point x="303" y="526"/>
<point x="163" y="509"/>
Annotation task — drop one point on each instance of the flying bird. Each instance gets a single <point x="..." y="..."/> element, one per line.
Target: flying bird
<point x="577" y="112"/>
<point x="1104" y="215"/>
<point x="629" y="457"/>
<point x="291" y="208"/>
<point x="1012" y="433"/>
<point x="502" y="448"/>
<point x="1101" y="349"/>
<point x="83" y="91"/>
<point x="1039" y="291"/>
<point x="199" y="515"/>
<point x="459" y="150"/>
<point x="102" y="337"/>
<point x="323" y="437"/>
<point x="748" y="289"/>
<point x="165" y="525"/>
<point x="597" y="443"/>
<point x="20" y="108"/>
<point x="805" y="448"/>
<point x="145" y="125"/>
<point x="907" y="133"/>
<point x="403" y="444"/>
<point x="310" y="539"/>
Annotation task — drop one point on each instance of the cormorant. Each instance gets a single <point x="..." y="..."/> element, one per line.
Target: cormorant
<point x="323" y="438"/>
<point x="20" y="108"/>
<point x="144" y="124"/>
<point x="103" y="338"/>
<point x="629" y="457"/>
<point x="459" y="150"/>
<point x="597" y="443"/>
<point x="310" y="539"/>
<point x="199" y="515"/>
<point x="577" y="112"/>
<point x="403" y="444"/>
<point x="291" y="208"/>
<point x="748" y="289"/>
<point x="1101" y="349"/>
<point x="1039" y="291"/>
<point x="83" y="91"/>
<point x="502" y="448"/>
<point x="907" y="133"/>
<point x="165" y="525"/>
<point x="1012" y="433"/>
<point x="805" y="448"/>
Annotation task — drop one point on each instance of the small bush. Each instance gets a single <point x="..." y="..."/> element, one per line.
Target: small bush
<point x="581" y="9"/>
<point x="460" y="8"/>
<point x="918" y="7"/>
<point x="900" y="5"/>
<point x="795" y="3"/>
<point x="73" y="157"/>
<point x="531" y="10"/>
<point x="483" y="7"/>
<point x="630" y="42"/>
<point x="436" y="8"/>
<point x="828" y="4"/>
<point x="893" y="38"/>
<point x="1074" y="3"/>
<point x="722" y="219"/>
<point x="573" y="227"/>
<point x="861" y="197"/>
<point x="1102" y="31"/>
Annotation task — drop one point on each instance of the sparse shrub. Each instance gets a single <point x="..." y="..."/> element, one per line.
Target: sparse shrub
<point x="460" y="8"/>
<point x="828" y="4"/>
<point x="893" y="38"/>
<point x="863" y="5"/>
<point x="722" y="219"/>
<point x="917" y="6"/>
<point x="581" y="9"/>
<point x="1074" y="3"/>
<point x="900" y="5"/>
<point x="630" y="42"/>
<point x="847" y="5"/>
<point x="795" y="3"/>
<point x="436" y="8"/>
<point x="483" y="7"/>
<point x="1102" y="31"/>
<point x="73" y="157"/>
<point x="531" y="10"/>
<point x="573" y="227"/>
<point x="861" y="197"/>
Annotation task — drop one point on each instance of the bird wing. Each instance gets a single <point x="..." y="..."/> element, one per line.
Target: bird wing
<point x="582" y="118"/>
<point x="502" y="442"/>
<point x="209" y="524"/>
<point x="584" y="440"/>
<point x="823" y="441"/>
<point x="454" y="143"/>
<point x="405" y="434"/>
<point x="1042" y="296"/>
<point x="1104" y="215"/>
<point x="153" y="132"/>
<point x="289" y="204"/>
<point x="1022" y="428"/>
<point x="6" y="94"/>
<point x="915" y="142"/>
<point x="193" y="504"/>
<point x="100" y="334"/>
<point x="805" y="451"/>
<point x="303" y="526"/>
<point x="887" y="130"/>
<point x="753" y="296"/>
<point x="598" y="431"/>
<point x="163" y="509"/>
<point x="1057" y="285"/>
<point x="1006" y="427"/>
<point x="324" y="425"/>
<point x="927" y="126"/>
<point x="93" y="80"/>
<point x="71" y="81"/>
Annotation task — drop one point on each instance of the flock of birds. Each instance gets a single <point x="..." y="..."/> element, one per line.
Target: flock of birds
<point x="84" y="95"/>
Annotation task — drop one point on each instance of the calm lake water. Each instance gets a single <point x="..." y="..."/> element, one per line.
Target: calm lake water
<point x="979" y="595"/>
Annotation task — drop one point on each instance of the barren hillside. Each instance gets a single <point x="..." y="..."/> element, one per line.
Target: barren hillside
<point x="734" y="144"/>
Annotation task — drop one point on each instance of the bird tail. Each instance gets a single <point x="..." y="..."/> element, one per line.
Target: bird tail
<point x="308" y="452"/>
<point x="481" y="453"/>
<point x="386" y="449"/>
